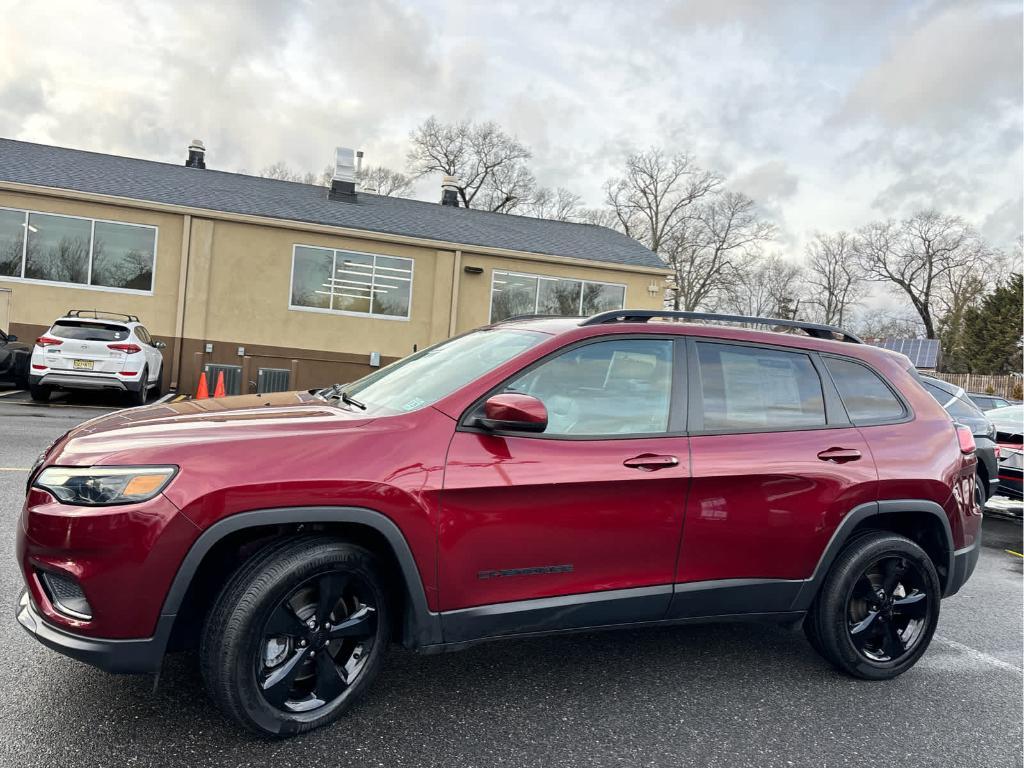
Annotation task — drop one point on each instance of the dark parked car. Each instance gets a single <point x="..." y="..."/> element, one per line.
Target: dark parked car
<point x="959" y="406"/>
<point x="14" y="360"/>
<point x="988" y="402"/>
<point x="1009" y="423"/>
<point x="534" y="476"/>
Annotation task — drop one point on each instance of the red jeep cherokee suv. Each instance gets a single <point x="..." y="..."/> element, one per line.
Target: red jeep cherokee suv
<point x="539" y="475"/>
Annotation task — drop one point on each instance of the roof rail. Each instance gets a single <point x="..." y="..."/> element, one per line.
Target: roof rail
<point x="101" y="315"/>
<point x="816" y="330"/>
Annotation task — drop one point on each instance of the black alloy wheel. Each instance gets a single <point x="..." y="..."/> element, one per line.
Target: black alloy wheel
<point x="878" y="607"/>
<point x="297" y="635"/>
<point x="316" y="642"/>
<point x="888" y="609"/>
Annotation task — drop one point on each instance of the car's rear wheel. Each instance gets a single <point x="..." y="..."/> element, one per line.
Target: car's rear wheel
<point x="39" y="393"/>
<point x="138" y="397"/>
<point x="878" y="608"/>
<point x="296" y="636"/>
<point x="980" y="496"/>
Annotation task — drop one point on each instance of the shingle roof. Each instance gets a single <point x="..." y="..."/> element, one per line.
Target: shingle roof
<point x="91" y="172"/>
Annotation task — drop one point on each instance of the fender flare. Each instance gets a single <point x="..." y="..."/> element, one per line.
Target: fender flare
<point x="845" y="529"/>
<point x="424" y="625"/>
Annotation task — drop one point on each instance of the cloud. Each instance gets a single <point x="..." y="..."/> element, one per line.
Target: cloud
<point x="827" y="114"/>
<point x="964" y="62"/>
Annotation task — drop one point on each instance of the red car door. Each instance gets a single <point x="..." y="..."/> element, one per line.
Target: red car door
<point x="592" y="505"/>
<point x="776" y="465"/>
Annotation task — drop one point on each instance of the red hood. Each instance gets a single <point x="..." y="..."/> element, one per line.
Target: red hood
<point x="164" y="433"/>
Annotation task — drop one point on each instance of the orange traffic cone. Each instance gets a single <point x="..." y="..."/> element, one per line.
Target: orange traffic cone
<point x="202" y="393"/>
<point x="218" y="391"/>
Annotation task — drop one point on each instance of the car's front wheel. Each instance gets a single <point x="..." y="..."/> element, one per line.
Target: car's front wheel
<point x="296" y="636"/>
<point x="878" y="608"/>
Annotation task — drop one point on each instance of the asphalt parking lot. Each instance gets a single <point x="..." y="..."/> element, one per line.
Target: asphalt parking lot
<point x="728" y="695"/>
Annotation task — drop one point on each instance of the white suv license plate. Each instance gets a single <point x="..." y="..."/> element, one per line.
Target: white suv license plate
<point x="83" y="365"/>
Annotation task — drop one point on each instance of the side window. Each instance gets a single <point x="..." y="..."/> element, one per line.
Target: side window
<point x="143" y="335"/>
<point x="758" y="389"/>
<point x="865" y="395"/>
<point x="618" y="387"/>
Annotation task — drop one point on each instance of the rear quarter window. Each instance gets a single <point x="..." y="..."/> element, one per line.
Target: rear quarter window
<point x="83" y="331"/>
<point x="867" y="398"/>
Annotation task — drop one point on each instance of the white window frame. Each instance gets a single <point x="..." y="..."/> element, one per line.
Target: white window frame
<point x="92" y="236"/>
<point x="536" y="297"/>
<point x="334" y="266"/>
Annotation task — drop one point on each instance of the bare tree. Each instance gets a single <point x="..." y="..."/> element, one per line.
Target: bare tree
<point x="384" y="181"/>
<point x="882" y="324"/>
<point x="960" y="290"/>
<point x="654" y="195"/>
<point x="599" y="217"/>
<point x="764" y="286"/>
<point x="916" y="256"/>
<point x="280" y="171"/>
<point x="510" y="188"/>
<point x="704" y="247"/>
<point x="556" y="204"/>
<point x="834" y="276"/>
<point x="486" y="162"/>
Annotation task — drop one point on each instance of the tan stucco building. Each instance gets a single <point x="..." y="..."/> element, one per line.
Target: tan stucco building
<point x="284" y="284"/>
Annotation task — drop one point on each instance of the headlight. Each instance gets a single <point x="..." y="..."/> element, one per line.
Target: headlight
<point x="97" y="486"/>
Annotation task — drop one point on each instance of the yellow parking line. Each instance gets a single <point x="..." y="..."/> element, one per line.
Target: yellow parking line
<point x="12" y="392"/>
<point x="1018" y="554"/>
<point x="13" y="469"/>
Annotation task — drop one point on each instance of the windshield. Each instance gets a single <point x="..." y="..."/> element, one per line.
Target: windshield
<point x="427" y="376"/>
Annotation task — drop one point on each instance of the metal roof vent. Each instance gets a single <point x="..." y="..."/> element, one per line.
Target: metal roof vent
<point x="450" y="191"/>
<point x="196" y="155"/>
<point x="343" y="183"/>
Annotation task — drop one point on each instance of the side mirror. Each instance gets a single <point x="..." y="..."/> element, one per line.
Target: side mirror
<point x="514" y="412"/>
<point x="160" y="344"/>
<point x="12" y="337"/>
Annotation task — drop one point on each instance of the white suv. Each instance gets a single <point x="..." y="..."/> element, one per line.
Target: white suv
<point x="87" y="349"/>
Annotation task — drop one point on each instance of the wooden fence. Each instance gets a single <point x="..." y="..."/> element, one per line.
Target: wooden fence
<point x="1006" y="386"/>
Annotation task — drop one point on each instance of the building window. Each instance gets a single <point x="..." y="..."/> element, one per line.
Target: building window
<point x="521" y="294"/>
<point x="327" y="280"/>
<point x="76" y="251"/>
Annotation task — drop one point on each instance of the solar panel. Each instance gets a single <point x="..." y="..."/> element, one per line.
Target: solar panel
<point x="923" y="353"/>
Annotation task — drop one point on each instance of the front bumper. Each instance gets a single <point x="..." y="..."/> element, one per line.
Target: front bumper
<point x="123" y="656"/>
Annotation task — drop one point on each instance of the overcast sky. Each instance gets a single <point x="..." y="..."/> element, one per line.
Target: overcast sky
<point x="828" y="113"/>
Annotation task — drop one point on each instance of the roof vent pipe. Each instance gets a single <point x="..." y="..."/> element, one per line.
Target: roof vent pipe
<point x="450" y="191"/>
<point x="343" y="184"/>
<point x="196" y="155"/>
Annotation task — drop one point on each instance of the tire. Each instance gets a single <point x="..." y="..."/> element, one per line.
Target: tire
<point x="158" y="388"/>
<point x="137" y="398"/>
<point x="811" y="633"/>
<point x="39" y="393"/>
<point x="870" y="634"/>
<point x="980" y="496"/>
<point x="263" y="664"/>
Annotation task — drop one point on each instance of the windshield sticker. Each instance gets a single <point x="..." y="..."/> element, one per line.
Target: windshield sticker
<point x="412" y="405"/>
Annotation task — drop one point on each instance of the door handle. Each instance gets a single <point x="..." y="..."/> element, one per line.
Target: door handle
<point x="649" y="462"/>
<point x="839" y="455"/>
